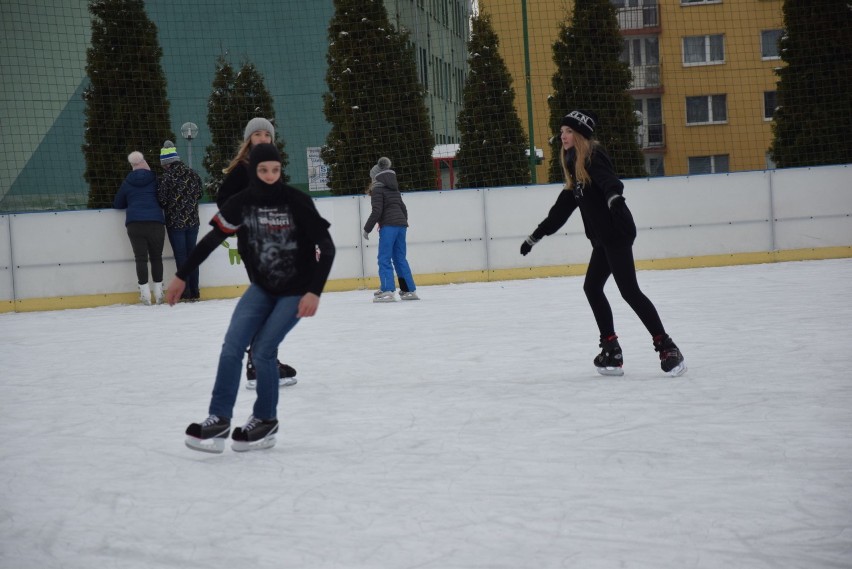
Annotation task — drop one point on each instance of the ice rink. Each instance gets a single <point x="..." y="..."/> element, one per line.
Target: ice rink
<point x="468" y="430"/>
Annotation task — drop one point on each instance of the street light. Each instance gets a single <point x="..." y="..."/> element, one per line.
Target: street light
<point x="189" y="130"/>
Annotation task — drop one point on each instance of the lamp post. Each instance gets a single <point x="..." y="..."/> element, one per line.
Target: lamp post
<point x="189" y="130"/>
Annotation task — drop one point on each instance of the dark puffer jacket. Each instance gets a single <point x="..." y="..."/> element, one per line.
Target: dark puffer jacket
<point x="138" y="195"/>
<point x="388" y="207"/>
<point x="179" y="192"/>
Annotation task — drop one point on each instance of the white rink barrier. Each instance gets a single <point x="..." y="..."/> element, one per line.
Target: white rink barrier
<point x="49" y="259"/>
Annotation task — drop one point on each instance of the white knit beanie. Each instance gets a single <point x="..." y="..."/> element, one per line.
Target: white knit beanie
<point x="137" y="161"/>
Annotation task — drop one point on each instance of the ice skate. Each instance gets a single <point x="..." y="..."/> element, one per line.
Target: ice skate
<point x="286" y="374"/>
<point x="145" y="294"/>
<point x="157" y="289"/>
<point x="209" y="435"/>
<point x="411" y="295"/>
<point x="256" y="434"/>
<point x="671" y="360"/>
<point x="385" y="296"/>
<point x="610" y="360"/>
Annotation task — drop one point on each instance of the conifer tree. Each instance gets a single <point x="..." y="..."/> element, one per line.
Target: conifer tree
<point x="126" y="104"/>
<point x="813" y="121"/>
<point x="491" y="152"/>
<point x="375" y="103"/>
<point x="223" y="124"/>
<point x="590" y="76"/>
<point x="235" y="99"/>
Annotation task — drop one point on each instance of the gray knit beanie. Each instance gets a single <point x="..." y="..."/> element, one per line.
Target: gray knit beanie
<point x="256" y="124"/>
<point x="383" y="164"/>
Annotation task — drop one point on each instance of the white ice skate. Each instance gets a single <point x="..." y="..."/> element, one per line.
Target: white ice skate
<point x="387" y="296"/>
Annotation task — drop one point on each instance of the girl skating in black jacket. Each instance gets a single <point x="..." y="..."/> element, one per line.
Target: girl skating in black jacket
<point x="592" y="186"/>
<point x="282" y="231"/>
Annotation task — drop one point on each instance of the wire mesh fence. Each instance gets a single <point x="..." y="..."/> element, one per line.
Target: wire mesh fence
<point x="457" y="93"/>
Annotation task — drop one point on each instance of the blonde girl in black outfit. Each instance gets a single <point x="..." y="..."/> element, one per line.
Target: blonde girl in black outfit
<point x="592" y="186"/>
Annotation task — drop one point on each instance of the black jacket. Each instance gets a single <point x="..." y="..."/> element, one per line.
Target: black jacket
<point x="281" y="230"/>
<point x="235" y="181"/>
<point x="604" y="225"/>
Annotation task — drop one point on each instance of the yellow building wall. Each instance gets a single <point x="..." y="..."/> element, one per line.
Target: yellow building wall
<point x="742" y="78"/>
<point x="543" y="19"/>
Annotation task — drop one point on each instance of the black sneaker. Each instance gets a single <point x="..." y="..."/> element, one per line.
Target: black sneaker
<point x="610" y="360"/>
<point x="256" y="434"/>
<point x="671" y="360"/>
<point x="208" y="435"/>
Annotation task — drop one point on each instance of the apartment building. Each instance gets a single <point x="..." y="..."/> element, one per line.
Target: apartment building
<point x="703" y="76"/>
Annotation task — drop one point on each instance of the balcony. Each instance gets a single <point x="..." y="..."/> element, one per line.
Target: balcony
<point x="638" y="18"/>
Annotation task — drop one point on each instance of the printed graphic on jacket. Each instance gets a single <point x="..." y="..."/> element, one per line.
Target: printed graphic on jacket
<point x="271" y="237"/>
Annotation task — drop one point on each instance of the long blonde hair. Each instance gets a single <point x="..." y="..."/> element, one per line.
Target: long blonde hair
<point x="240" y="158"/>
<point x="584" y="149"/>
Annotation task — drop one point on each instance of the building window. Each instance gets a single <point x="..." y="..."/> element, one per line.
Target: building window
<point x="655" y="166"/>
<point x="650" y="132"/>
<point x="424" y="69"/>
<point x="691" y="2"/>
<point x="704" y="50"/>
<point x="769" y="44"/>
<point x="642" y="55"/>
<point x="770" y="163"/>
<point x="715" y="164"/>
<point x="770" y="103"/>
<point x="708" y="109"/>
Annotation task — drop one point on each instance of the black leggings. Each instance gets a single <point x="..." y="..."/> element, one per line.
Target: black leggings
<point x="618" y="262"/>
<point x="147" y="239"/>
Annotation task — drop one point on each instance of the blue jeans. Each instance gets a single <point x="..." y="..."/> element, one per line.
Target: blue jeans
<point x="392" y="250"/>
<point x="261" y="320"/>
<point x="183" y="242"/>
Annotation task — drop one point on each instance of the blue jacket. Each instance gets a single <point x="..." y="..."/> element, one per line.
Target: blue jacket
<point x="138" y="195"/>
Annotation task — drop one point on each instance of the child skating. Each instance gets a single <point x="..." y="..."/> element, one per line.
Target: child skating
<point x="282" y="230"/>
<point x="390" y="213"/>
<point x="592" y="187"/>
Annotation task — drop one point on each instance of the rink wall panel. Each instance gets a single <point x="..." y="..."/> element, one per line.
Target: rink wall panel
<point x="47" y="260"/>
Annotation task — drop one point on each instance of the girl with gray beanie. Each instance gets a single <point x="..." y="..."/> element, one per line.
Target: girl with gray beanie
<point x="390" y="213"/>
<point x="237" y="178"/>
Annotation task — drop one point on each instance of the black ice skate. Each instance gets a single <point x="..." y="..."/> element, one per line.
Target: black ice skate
<point x="209" y="435"/>
<point x="256" y="434"/>
<point x="671" y="360"/>
<point x="286" y="374"/>
<point x="610" y="360"/>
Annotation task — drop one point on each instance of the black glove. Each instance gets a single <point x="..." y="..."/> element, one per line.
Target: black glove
<point x="614" y="201"/>
<point x="527" y="245"/>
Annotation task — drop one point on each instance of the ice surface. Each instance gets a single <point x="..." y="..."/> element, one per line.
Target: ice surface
<point x="466" y="430"/>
